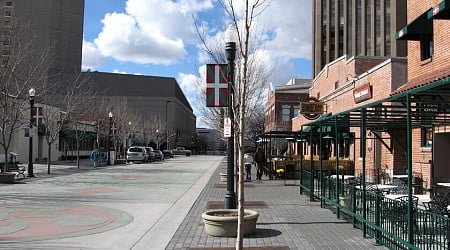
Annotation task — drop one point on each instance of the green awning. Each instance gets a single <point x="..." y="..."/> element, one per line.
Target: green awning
<point x="418" y="29"/>
<point x="440" y="11"/>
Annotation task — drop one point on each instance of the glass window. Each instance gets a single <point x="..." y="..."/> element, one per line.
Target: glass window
<point x="427" y="137"/>
<point x="368" y="27"/>
<point x="7" y="13"/>
<point x="286" y="111"/>
<point x="426" y="48"/>
<point x="349" y="27"/>
<point x="378" y="28"/>
<point x="387" y="28"/>
<point x="296" y="111"/>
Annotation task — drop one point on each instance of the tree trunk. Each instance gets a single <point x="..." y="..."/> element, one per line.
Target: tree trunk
<point x="49" y="154"/>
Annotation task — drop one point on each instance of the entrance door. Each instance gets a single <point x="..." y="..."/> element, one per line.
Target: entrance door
<point x="441" y="147"/>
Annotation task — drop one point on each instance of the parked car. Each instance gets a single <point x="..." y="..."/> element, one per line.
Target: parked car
<point x="159" y="156"/>
<point x="136" y="153"/>
<point x="150" y="153"/>
<point x="167" y="154"/>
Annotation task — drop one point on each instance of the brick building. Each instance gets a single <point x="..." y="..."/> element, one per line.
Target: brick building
<point x="283" y="104"/>
<point x="399" y="103"/>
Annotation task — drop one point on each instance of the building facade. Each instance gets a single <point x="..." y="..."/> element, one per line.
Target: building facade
<point x="356" y="28"/>
<point x="57" y="27"/>
<point x="283" y="104"/>
<point x="147" y="96"/>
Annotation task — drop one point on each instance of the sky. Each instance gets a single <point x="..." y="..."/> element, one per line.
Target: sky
<point x="158" y="38"/>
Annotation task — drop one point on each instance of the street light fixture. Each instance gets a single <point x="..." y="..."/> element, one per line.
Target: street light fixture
<point x="110" y="115"/>
<point x="230" y="49"/>
<point x="167" y="128"/>
<point x="32" y="94"/>
<point x="157" y="139"/>
<point x="129" y="134"/>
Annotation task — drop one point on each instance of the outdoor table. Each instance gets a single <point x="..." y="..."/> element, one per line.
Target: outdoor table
<point x="381" y="187"/>
<point x="444" y="184"/>
<point x="422" y="197"/>
<point x="400" y="176"/>
<point x="346" y="177"/>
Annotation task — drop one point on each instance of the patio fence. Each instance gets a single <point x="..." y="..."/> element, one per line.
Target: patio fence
<point x="386" y="220"/>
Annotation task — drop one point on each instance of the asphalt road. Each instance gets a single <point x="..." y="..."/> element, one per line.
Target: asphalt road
<point x="133" y="206"/>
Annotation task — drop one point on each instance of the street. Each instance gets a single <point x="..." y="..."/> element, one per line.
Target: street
<point x="132" y="206"/>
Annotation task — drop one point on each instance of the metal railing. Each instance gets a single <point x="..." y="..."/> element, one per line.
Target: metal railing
<point x="388" y="221"/>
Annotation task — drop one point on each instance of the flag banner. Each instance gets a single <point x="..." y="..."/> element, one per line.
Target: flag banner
<point x="217" y="85"/>
<point x="37" y="116"/>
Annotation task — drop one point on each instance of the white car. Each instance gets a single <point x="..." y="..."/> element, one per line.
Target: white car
<point x="136" y="153"/>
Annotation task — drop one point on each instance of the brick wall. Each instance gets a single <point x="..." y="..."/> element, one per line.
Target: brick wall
<point x="441" y="43"/>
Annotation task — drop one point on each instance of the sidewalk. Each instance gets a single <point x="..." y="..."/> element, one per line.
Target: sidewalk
<point x="287" y="220"/>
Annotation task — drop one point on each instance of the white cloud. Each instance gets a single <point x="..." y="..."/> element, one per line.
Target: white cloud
<point x="92" y="57"/>
<point x="188" y="83"/>
<point x="148" y="32"/>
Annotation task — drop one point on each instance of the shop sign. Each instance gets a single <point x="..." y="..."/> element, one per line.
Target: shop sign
<point x="312" y="109"/>
<point x="227" y="127"/>
<point x="362" y="93"/>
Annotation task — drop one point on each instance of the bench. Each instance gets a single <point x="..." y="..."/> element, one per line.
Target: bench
<point x="13" y="167"/>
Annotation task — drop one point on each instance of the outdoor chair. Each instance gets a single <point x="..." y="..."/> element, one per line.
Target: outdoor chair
<point x="401" y="187"/>
<point x="399" y="212"/>
<point x="437" y="220"/>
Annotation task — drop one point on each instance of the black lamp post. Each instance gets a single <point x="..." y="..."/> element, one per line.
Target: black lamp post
<point x="129" y="134"/>
<point x="31" y="94"/>
<point x="230" y="49"/>
<point x="110" y="114"/>
<point x="157" y="139"/>
<point x="167" y="128"/>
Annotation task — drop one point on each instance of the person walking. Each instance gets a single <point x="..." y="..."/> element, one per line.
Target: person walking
<point x="248" y="161"/>
<point x="260" y="160"/>
<point x="95" y="158"/>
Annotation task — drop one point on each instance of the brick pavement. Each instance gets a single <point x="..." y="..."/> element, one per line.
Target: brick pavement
<point x="289" y="221"/>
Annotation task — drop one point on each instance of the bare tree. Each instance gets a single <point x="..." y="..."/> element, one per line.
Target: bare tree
<point x="250" y="79"/>
<point x="20" y="68"/>
<point x="62" y="96"/>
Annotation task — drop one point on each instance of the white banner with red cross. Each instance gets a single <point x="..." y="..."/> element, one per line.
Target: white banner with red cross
<point x="217" y="85"/>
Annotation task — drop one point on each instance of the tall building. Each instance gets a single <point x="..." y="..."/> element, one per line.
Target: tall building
<point x="56" y="26"/>
<point x="356" y="28"/>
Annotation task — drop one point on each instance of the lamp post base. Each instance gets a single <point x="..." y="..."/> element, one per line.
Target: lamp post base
<point x="230" y="200"/>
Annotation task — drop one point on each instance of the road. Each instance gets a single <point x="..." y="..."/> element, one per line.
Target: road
<point x="133" y="206"/>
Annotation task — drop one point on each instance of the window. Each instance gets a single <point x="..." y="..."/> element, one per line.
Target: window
<point x="427" y="137"/>
<point x="296" y="111"/>
<point x="426" y="48"/>
<point x="286" y="113"/>
<point x="8" y="3"/>
<point x="7" y="13"/>
<point x="336" y="84"/>
<point x="7" y="23"/>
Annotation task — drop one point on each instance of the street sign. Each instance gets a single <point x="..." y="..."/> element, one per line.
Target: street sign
<point x="226" y="127"/>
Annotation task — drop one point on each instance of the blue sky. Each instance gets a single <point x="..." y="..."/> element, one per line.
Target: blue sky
<point x="158" y="38"/>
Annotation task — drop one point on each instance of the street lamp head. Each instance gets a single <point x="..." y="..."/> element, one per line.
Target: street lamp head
<point x="110" y="114"/>
<point x="129" y="123"/>
<point x="32" y="92"/>
<point x="231" y="35"/>
<point x="230" y="43"/>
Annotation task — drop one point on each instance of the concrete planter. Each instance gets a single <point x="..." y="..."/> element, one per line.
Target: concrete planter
<point x="223" y="177"/>
<point x="7" y="178"/>
<point x="224" y="222"/>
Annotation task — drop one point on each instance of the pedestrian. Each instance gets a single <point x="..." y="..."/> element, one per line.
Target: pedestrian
<point x="95" y="158"/>
<point x="248" y="160"/>
<point x="260" y="160"/>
